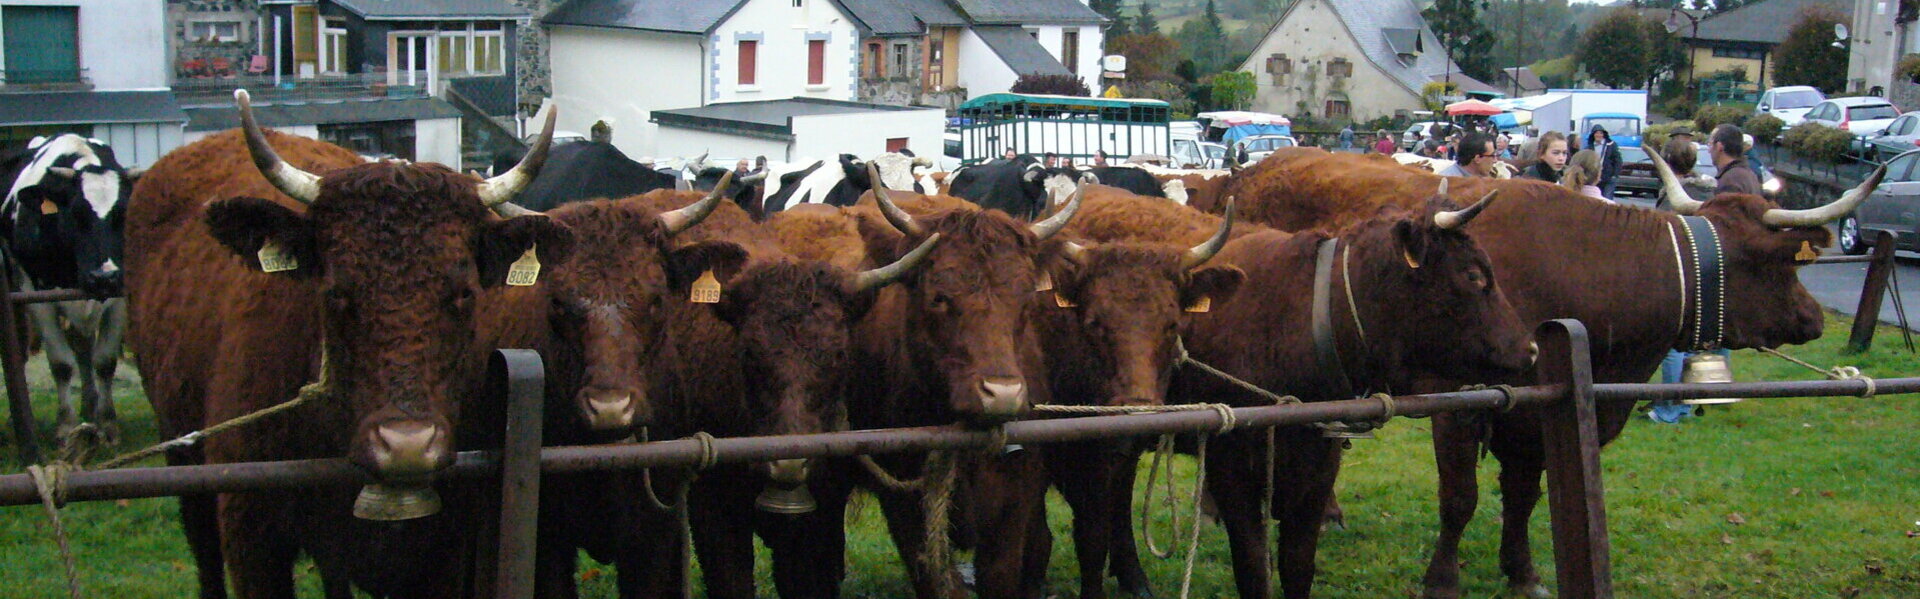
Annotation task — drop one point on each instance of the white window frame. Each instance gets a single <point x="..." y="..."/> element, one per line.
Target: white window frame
<point x="472" y="38"/>
<point x="332" y="58"/>
<point x="404" y="54"/>
<point x="239" y="29"/>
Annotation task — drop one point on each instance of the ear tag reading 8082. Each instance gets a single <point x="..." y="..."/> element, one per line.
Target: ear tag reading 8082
<point x="705" y="290"/>
<point x="1807" y="253"/>
<point x="525" y="271"/>
<point x="1201" y="306"/>
<point x="274" y="258"/>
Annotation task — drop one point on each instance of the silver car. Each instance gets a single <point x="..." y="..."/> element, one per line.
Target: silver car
<point x="1254" y="148"/>
<point x="1894" y="207"/>
<point x="1896" y="139"/>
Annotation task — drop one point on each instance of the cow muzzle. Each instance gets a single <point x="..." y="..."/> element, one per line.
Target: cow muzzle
<point x="403" y="454"/>
<point x="786" y="493"/>
<point x="1002" y="398"/>
<point x="608" y="410"/>
<point x="102" y="282"/>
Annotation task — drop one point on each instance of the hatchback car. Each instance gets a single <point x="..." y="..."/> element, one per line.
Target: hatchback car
<point x="1254" y="148"/>
<point x="1790" y="104"/>
<point x="1860" y="115"/>
<point x="1637" y="177"/>
<point x="1894" y="207"/>
<point x="1902" y="135"/>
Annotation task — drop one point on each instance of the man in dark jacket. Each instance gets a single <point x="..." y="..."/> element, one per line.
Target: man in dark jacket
<point x="1728" y="146"/>
<point x="1601" y="143"/>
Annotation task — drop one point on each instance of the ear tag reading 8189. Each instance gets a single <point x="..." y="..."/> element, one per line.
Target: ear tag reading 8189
<point x="1201" y="306"/>
<point x="274" y="258"/>
<point x="1807" y="253"/>
<point x="706" y="289"/>
<point x="525" y="271"/>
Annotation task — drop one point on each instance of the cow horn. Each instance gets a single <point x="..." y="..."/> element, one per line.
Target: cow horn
<point x="512" y="210"/>
<point x="868" y="280"/>
<point x="900" y="219"/>
<point x="63" y="172"/>
<point x="675" y="221"/>
<point x="502" y="187"/>
<point x="922" y="161"/>
<point x="289" y="179"/>
<point x="1442" y="191"/>
<point x="1454" y="219"/>
<point x="754" y="179"/>
<point x="1058" y="221"/>
<point x="1200" y="254"/>
<point x="1670" y="183"/>
<point x="1813" y="217"/>
<point x="1074" y="251"/>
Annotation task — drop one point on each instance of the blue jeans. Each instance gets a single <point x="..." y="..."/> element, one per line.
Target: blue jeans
<point x="1667" y="410"/>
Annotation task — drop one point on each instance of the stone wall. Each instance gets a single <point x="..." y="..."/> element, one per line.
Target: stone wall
<point x="1904" y="93"/>
<point x="181" y="49"/>
<point x="902" y="91"/>
<point x="531" y="62"/>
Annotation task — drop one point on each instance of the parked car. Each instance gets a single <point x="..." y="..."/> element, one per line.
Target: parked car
<point x="1189" y="152"/>
<point x="1902" y="135"/>
<point x="1637" y="177"/>
<point x="1411" y="138"/>
<point x="1859" y="115"/>
<point x="1252" y="149"/>
<point x="1893" y="207"/>
<point x="1790" y="104"/>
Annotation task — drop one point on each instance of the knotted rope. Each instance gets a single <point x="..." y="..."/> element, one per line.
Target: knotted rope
<point x="1837" y="373"/>
<point x="51" y="481"/>
<point x="1506" y="392"/>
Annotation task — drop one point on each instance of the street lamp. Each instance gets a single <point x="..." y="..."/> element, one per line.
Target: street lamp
<point x="1673" y="26"/>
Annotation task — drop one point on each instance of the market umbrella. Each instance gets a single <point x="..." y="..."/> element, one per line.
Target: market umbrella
<point x="1472" y="108"/>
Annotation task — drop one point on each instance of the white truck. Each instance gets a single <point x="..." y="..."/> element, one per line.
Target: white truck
<point x="1623" y="112"/>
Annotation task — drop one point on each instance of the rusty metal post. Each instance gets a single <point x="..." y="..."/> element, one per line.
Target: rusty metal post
<point x="13" y="358"/>
<point x="1867" y="318"/>
<point x="520" y="471"/>
<point x="1581" y="551"/>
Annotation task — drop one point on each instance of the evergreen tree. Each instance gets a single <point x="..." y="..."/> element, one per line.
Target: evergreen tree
<point x="1111" y="10"/>
<point x="1467" y="40"/>
<point x="1146" y="23"/>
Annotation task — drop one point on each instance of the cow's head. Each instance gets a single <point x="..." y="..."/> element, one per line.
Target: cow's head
<point x="608" y="302"/>
<point x="1116" y="310"/>
<point x="1054" y="184"/>
<point x="794" y="321"/>
<point x="968" y="314"/>
<point x="399" y="251"/>
<point x="1764" y="246"/>
<point x="1427" y="297"/>
<point x="67" y="211"/>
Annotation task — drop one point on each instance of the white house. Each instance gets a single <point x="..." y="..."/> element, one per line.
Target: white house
<point x="621" y="60"/>
<point x="797" y="128"/>
<point x="1349" y="59"/>
<point x="95" y="67"/>
<point x="1010" y="38"/>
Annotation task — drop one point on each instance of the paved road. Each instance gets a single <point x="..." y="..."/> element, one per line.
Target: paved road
<point x="1837" y="286"/>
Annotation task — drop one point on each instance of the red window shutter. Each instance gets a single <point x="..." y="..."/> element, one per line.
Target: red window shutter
<point x="895" y="144"/>
<point x="817" y="62"/>
<point x="748" y="49"/>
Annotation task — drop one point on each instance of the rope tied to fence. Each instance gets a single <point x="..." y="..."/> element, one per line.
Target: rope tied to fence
<point x="51" y="481"/>
<point x="1837" y="373"/>
<point x="1508" y="400"/>
<point x="310" y="392"/>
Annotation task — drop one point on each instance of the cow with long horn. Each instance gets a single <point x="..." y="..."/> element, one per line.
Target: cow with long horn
<point x="1636" y="274"/>
<point x="311" y="265"/>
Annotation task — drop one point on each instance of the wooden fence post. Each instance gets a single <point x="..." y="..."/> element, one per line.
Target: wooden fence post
<point x="1581" y="551"/>
<point x="1867" y="317"/>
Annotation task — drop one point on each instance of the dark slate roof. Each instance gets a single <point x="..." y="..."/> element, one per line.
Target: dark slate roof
<point x="765" y="118"/>
<point x="1763" y="22"/>
<point x="1020" y="51"/>
<point x="670" y="16"/>
<point x="90" y="108"/>
<point x="217" y="117"/>
<point x="1528" y="80"/>
<point x="387" y="10"/>
<point x="1028" y="12"/>
<point x="493" y="95"/>
<point x="902" y="17"/>
<point x="1465" y="83"/>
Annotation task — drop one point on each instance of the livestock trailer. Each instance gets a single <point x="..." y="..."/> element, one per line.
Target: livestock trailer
<point x="1072" y="127"/>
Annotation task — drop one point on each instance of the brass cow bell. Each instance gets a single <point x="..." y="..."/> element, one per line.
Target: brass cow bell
<point x="1707" y="367"/>
<point x="783" y="499"/>
<point x="391" y="501"/>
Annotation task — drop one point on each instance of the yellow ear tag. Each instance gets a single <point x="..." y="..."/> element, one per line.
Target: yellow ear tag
<point x="1201" y="306"/>
<point x="706" y="289"/>
<point x="1046" y="282"/>
<point x="273" y="258"/>
<point x="525" y="271"/>
<point x="1411" y="263"/>
<point x="1807" y="253"/>
<point x="1062" y="301"/>
<point x="49" y="207"/>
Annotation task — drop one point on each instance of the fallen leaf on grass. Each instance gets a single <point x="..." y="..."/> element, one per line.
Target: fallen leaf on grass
<point x="122" y="503"/>
<point x="1794" y="491"/>
<point x="1826" y="493"/>
<point x="1736" y="518"/>
<point x="1876" y="569"/>
<point x="1727" y="539"/>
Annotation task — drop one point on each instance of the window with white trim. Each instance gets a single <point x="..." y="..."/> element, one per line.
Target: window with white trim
<point x="333" y="46"/>
<point x="214" y="30"/>
<point x="473" y="48"/>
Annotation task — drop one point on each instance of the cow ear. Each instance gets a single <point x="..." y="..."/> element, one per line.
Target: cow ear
<point x="504" y="243"/>
<point x="1211" y="286"/>
<point x="882" y="240"/>
<point x="249" y="225"/>
<point x="688" y="264"/>
<point x="1412" y="239"/>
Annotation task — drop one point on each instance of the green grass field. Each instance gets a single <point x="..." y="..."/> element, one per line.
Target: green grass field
<point x="1769" y="498"/>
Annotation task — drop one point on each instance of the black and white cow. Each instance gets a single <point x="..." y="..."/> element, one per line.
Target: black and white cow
<point x="65" y="210"/>
<point x="819" y="182"/>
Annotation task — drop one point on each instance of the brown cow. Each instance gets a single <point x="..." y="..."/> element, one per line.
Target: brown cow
<point x="1564" y="255"/>
<point x="1202" y="189"/>
<point x="386" y="265"/>
<point x="1110" y="331"/>
<point x="1462" y="326"/>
